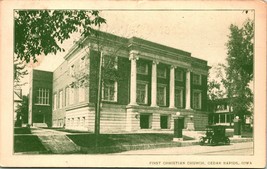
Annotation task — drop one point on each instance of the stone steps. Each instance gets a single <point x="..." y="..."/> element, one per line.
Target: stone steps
<point x="39" y="125"/>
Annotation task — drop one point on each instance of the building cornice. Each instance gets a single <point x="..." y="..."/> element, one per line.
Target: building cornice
<point x="146" y="49"/>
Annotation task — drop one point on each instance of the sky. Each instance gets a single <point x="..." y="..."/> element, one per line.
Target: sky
<point x="202" y="33"/>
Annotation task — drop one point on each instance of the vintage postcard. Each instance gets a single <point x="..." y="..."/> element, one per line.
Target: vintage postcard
<point x="133" y="84"/>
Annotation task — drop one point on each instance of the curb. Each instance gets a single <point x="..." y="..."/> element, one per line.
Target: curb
<point x="121" y="148"/>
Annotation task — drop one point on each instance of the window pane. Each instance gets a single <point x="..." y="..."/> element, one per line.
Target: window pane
<point x="179" y="75"/>
<point x="197" y="100"/>
<point x="161" y="72"/>
<point x="216" y="118"/>
<point x="42" y="96"/>
<point x="142" y="68"/>
<point x="196" y="79"/>
<point x="71" y="96"/>
<point x="179" y="98"/>
<point x="67" y="96"/>
<point x="110" y="62"/>
<point x="222" y="118"/>
<point x="60" y="99"/>
<point x="55" y="101"/>
<point x="141" y="93"/>
<point x="161" y="97"/>
<point x="81" y="91"/>
<point x="109" y="91"/>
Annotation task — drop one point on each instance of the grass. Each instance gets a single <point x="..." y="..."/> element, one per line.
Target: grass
<point x="28" y="143"/>
<point x="22" y="130"/>
<point x="88" y="140"/>
<point x="108" y="143"/>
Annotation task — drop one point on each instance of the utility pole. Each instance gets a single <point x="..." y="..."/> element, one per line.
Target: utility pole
<point x="97" y="110"/>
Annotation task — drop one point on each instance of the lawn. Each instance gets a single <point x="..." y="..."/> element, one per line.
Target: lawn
<point x="22" y="130"/>
<point x="27" y="143"/>
<point x="24" y="141"/>
<point x="108" y="143"/>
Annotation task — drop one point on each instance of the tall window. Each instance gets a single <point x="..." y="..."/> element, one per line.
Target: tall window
<point x="196" y="79"/>
<point x="109" y="92"/>
<point x="179" y="75"/>
<point x="43" y="96"/>
<point x="161" y="95"/>
<point x="60" y="99"/>
<point x="221" y="107"/>
<point x="179" y="97"/>
<point x="141" y="93"/>
<point x="161" y="72"/>
<point x="110" y="62"/>
<point x="55" y="102"/>
<point x="71" y="95"/>
<point x="196" y="99"/>
<point x="142" y="68"/>
<point x="67" y="96"/>
<point x="81" y="91"/>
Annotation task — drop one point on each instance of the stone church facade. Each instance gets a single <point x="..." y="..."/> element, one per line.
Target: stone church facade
<point x="144" y="85"/>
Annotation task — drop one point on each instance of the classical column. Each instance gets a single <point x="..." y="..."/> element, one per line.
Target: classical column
<point x="172" y="87"/>
<point x="154" y="84"/>
<point x="133" y="59"/>
<point x="188" y="90"/>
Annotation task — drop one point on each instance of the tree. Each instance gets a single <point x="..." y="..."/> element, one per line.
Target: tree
<point x="19" y="72"/>
<point x="40" y="31"/>
<point x="216" y="89"/>
<point x="22" y="111"/>
<point x="239" y="71"/>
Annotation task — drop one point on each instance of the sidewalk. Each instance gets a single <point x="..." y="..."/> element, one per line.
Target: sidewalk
<point x="245" y="148"/>
<point x="56" y="141"/>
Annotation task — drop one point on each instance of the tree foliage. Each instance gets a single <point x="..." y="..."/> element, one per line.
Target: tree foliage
<point x="19" y="72"/>
<point x="22" y="111"/>
<point x="216" y="89"/>
<point x="239" y="71"/>
<point x="41" y="31"/>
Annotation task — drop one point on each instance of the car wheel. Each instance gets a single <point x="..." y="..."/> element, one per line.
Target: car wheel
<point x="202" y="141"/>
<point x="227" y="141"/>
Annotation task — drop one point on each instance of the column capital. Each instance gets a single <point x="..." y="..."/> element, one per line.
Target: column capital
<point x="155" y="62"/>
<point x="133" y="55"/>
<point x="173" y="66"/>
<point x="189" y="69"/>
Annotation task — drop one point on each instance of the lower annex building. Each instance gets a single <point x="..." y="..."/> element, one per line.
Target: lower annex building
<point x="144" y="85"/>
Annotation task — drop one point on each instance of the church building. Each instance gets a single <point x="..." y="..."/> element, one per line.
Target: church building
<point x="144" y="85"/>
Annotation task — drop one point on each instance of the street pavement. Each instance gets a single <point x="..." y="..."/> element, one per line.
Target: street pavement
<point x="245" y="148"/>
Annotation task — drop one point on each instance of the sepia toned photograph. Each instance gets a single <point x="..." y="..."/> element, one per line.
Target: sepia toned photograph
<point x="174" y="86"/>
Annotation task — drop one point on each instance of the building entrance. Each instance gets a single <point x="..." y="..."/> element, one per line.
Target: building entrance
<point x="40" y="118"/>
